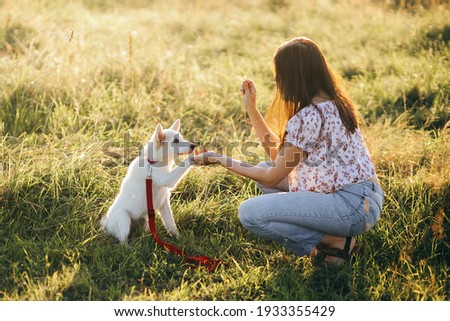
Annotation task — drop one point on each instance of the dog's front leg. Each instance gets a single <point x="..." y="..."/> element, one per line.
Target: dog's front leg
<point x="167" y="217"/>
<point x="177" y="174"/>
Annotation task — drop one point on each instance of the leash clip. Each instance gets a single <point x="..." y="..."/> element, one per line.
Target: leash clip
<point x="149" y="171"/>
<point x="150" y="168"/>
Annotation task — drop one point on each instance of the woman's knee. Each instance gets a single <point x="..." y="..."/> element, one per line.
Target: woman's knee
<point x="247" y="214"/>
<point x="282" y="186"/>
<point x="265" y="164"/>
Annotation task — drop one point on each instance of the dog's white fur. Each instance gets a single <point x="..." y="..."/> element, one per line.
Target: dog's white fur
<point x="164" y="147"/>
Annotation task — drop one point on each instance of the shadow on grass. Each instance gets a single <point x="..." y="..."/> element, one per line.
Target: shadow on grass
<point x="318" y="283"/>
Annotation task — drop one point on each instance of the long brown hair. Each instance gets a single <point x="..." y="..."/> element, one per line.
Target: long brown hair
<point x="301" y="73"/>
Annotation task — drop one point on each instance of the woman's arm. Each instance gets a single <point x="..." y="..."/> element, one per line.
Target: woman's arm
<point x="267" y="138"/>
<point x="285" y="161"/>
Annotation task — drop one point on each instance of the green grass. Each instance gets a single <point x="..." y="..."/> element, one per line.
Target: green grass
<point x="81" y="84"/>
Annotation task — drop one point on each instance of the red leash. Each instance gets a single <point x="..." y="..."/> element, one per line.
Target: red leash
<point x="209" y="263"/>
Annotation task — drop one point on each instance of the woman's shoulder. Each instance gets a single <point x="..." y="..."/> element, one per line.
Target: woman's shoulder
<point x="309" y="117"/>
<point x="314" y="116"/>
<point x="326" y="105"/>
<point x="315" y="110"/>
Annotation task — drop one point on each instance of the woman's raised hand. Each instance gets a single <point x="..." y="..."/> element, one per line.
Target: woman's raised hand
<point x="248" y="91"/>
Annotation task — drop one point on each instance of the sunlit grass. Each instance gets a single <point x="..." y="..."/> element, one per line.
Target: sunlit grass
<point x="83" y="83"/>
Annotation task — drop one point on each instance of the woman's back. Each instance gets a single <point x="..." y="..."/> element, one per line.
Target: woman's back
<point x="336" y="158"/>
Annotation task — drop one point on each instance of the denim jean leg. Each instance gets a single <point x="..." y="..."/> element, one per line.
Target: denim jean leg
<point x="296" y="220"/>
<point x="364" y="201"/>
<point x="295" y="238"/>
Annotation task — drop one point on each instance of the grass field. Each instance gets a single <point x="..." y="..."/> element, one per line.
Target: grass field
<point x="82" y="83"/>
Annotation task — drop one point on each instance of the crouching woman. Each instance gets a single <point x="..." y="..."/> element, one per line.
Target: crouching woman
<point x="320" y="189"/>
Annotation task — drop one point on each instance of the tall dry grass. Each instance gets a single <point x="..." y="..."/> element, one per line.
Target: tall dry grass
<point x="83" y="82"/>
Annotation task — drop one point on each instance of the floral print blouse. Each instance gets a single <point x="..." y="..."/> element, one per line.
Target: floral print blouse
<point x="336" y="158"/>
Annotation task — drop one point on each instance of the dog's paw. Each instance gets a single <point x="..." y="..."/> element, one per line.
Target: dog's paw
<point x="174" y="233"/>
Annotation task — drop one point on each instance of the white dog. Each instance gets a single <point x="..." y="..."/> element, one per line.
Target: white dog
<point x="164" y="147"/>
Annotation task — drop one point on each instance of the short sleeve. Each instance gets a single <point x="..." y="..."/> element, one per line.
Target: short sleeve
<point x="303" y="129"/>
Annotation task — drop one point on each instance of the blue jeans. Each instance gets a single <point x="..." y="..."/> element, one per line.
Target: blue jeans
<point x="299" y="220"/>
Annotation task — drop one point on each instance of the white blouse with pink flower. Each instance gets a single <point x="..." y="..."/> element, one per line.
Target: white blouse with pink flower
<point x="336" y="158"/>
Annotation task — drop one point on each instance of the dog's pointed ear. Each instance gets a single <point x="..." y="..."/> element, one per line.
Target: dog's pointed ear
<point x="176" y="125"/>
<point x="159" y="134"/>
